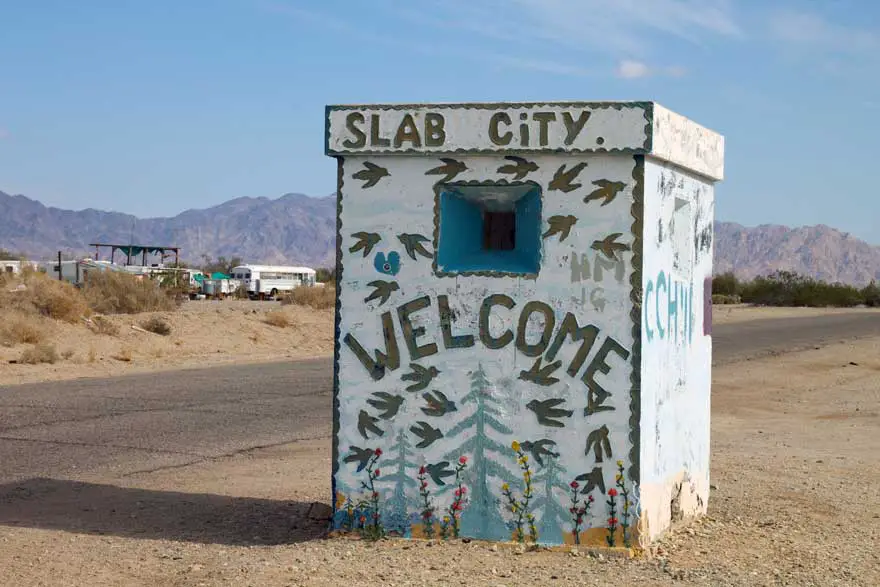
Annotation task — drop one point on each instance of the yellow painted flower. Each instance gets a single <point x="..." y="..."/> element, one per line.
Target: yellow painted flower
<point x="619" y="463"/>
<point x="525" y="458"/>
<point x="446" y="519"/>
<point x="513" y="508"/>
<point x="618" y="477"/>
<point x="505" y="487"/>
<point x="515" y="446"/>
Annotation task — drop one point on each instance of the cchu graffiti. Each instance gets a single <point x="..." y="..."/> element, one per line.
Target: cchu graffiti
<point x="668" y="309"/>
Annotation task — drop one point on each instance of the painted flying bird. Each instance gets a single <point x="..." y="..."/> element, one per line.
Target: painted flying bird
<point x="413" y="244"/>
<point x="427" y="433"/>
<point x="560" y="225"/>
<point x="450" y="169"/>
<point x="388" y="404"/>
<point x="605" y="189"/>
<point x="541" y="375"/>
<point x="562" y="179"/>
<point x="438" y="471"/>
<point x="594" y="479"/>
<point x="383" y="290"/>
<point x="438" y="404"/>
<point x="366" y="242"/>
<point x="521" y="168"/>
<point x="597" y="441"/>
<point x="366" y="422"/>
<point x="539" y="448"/>
<point x="609" y="246"/>
<point x="546" y="411"/>
<point x="361" y="456"/>
<point x="371" y="174"/>
<point x="421" y="375"/>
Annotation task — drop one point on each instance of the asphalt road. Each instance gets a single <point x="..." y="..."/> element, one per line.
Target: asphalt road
<point x="125" y="425"/>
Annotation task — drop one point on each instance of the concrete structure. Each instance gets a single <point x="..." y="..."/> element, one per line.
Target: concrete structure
<point x="529" y="275"/>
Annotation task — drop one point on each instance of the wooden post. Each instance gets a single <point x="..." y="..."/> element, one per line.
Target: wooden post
<point x="145" y="256"/>
<point x="60" y="278"/>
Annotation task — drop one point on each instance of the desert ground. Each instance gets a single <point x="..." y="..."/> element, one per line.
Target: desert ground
<point x="795" y="501"/>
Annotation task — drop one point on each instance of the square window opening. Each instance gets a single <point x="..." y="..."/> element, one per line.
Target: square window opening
<point x="489" y="228"/>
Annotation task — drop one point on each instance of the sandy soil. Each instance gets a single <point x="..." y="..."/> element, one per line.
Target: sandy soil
<point x="725" y="314"/>
<point x="203" y="333"/>
<point x="795" y="501"/>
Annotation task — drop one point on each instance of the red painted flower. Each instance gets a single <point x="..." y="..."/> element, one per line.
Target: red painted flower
<point x="462" y="460"/>
<point x="375" y="495"/>
<point x="363" y="519"/>
<point x="378" y="452"/>
<point x="376" y="472"/>
<point x="612" y="521"/>
<point x="375" y="515"/>
<point x="422" y="470"/>
<point x="612" y="492"/>
<point x="457" y="493"/>
<point x="590" y="498"/>
<point x="574" y="484"/>
<point x="456" y="506"/>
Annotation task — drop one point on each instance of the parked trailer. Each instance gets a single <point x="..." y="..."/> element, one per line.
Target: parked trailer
<point x="219" y="288"/>
<point x="269" y="280"/>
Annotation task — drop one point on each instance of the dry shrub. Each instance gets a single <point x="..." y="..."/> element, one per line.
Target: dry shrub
<point x="39" y="353"/>
<point x="93" y="355"/>
<point x="156" y="325"/>
<point x="124" y="355"/>
<point x="21" y="328"/>
<point x="49" y="297"/>
<point x="277" y="318"/>
<point x="103" y="325"/>
<point x="68" y="354"/>
<point x="113" y="292"/>
<point x="319" y="298"/>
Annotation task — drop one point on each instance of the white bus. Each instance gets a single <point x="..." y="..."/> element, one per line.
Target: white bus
<point x="270" y="280"/>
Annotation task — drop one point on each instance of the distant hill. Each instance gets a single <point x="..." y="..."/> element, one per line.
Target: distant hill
<point x="296" y="229"/>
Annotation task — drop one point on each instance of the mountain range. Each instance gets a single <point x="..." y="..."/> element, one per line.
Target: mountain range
<point x="298" y="229"/>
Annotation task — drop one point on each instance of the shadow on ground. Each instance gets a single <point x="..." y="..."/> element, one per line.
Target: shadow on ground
<point x="89" y="508"/>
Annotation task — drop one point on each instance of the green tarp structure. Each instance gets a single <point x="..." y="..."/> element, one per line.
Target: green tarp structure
<point x="219" y="276"/>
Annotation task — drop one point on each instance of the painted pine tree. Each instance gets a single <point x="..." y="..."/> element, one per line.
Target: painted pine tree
<point x="555" y="517"/>
<point x="396" y="517"/>
<point x="482" y="516"/>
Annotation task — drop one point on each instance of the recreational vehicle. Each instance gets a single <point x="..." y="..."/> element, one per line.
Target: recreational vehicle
<point x="270" y="280"/>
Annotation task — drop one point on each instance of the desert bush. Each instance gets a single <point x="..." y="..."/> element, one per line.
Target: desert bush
<point x="123" y="355"/>
<point x="871" y="295"/>
<point x="68" y="354"/>
<point x="785" y="288"/>
<point x="723" y="299"/>
<point x="277" y="318"/>
<point x="103" y="325"/>
<point x="725" y="284"/>
<point x="39" y="353"/>
<point x="156" y="325"/>
<point x="319" y="298"/>
<point x="50" y="297"/>
<point x="112" y="292"/>
<point x="22" y="328"/>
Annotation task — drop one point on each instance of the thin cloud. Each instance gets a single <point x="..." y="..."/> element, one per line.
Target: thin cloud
<point x="812" y="31"/>
<point x="632" y="69"/>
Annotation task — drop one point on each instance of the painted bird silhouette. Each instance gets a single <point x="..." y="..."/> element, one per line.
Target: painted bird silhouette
<point x="449" y="169"/>
<point x="365" y="241"/>
<point x="438" y="471"/>
<point x="427" y="433"/>
<point x="560" y="225"/>
<point x="562" y="179"/>
<point x="598" y="441"/>
<point x="541" y="374"/>
<point x="388" y="404"/>
<point x="606" y="190"/>
<point x="546" y="412"/>
<point x="361" y="456"/>
<point x="367" y="423"/>
<point x="539" y="448"/>
<point x="594" y="479"/>
<point x="421" y="375"/>
<point x="413" y="244"/>
<point x="520" y="167"/>
<point x="609" y="246"/>
<point x="383" y="290"/>
<point x="371" y="174"/>
<point x="438" y="404"/>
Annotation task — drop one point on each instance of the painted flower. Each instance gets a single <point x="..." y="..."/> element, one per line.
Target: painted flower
<point x="462" y="460"/>
<point x="590" y="498"/>
<point x="422" y="470"/>
<point x="363" y="519"/>
<point x="378" y="452"/>
<point x="618" y="477"/>
<point x="612" y="521"/>
<point x="375" y="495"/>
<point x="505" y="487"/>
<point x="376" y="472"/>
<point x="446" y="519"/>
<point x="619" y="463"/>
<point x="612" y="492"/>
<point x="515" y="446"/>
<point x="574" y="484"/>
<point x="375" y="515"/>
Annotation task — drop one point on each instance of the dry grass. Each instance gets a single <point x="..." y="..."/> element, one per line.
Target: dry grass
<point x="42" y="295"/>
<point x="277" y="318"/>
<point x="123" y="356"/>
<point x="110" y="292"/>
<point x="21" y="328"/>
<point x="319" y="298"/>
<point x="39" y="353"/>
<point x="102" y="325"/>
<point x="156" y="325"/>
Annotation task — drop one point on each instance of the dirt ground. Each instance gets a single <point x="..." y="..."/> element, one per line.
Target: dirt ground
<point x="203" y="333"/>
<point x="206" y="333"/>
<point x="795" y="501"/>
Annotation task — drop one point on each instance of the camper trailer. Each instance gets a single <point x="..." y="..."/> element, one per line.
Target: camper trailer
<point x="270" y="280"/>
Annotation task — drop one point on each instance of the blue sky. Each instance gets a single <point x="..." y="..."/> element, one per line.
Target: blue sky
<point x="155" y="106"/>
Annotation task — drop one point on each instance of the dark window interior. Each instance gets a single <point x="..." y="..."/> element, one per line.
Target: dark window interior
<point x="499" y="230"/>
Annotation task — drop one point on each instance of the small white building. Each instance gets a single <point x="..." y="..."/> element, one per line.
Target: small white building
<point x="529" y="275"/>
<point x="270" y="280"/>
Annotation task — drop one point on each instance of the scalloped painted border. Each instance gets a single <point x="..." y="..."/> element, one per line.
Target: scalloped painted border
<point x="637" y="211"/>
<point x="647" y="145"/>
<point x="340" y="180"/>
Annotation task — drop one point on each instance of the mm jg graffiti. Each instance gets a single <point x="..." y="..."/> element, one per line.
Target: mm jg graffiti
<point x="668" y="309"/>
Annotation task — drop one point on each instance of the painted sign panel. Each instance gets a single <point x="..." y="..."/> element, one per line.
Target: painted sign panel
<point x="515" y="391"/>
<point x="488" y="128"/>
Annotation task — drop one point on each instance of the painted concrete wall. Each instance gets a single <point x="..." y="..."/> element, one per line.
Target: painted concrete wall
<point x="482" y="399"/>
<point x="676" y="345"/>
